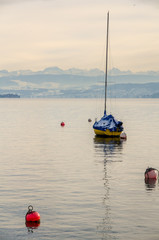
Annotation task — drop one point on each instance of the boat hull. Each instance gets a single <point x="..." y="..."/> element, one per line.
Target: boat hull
<point x="107" y="133"/>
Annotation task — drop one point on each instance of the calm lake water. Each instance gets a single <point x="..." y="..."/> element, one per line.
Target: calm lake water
<point x="84" y="187"/>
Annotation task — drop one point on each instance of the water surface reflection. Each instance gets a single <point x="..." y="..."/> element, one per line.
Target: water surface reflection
<point x="108" y="147"/>
<point x="150" y="184"/>
<point x="109" y="150"/>
<point x="31" y="226"/>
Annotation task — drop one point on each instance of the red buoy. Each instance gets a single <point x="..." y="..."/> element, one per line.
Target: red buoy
<point x="151" y="173"/>
<point x="62" y="124"/>
<point x="32" y="216"/>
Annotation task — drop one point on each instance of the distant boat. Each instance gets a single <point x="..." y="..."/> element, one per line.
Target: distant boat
<point x="107" y="126"/>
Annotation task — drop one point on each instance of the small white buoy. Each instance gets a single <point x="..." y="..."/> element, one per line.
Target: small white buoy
<point x="123" y="135"/>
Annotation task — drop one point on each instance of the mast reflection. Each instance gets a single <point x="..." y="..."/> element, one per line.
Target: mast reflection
<point x="108" y="150"/>
<point x="108" y="147"/>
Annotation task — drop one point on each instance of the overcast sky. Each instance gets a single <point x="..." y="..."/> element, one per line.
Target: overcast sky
<point x="35" y="34"/>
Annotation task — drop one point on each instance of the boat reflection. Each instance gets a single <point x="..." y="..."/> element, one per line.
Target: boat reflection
<point x="32" y="225"/>
<point x="108" y="147"/>
<point x="104" y="229"/>
<point x="108" y="150"/>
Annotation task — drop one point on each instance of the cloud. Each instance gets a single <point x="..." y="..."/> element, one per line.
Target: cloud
<point x="43" y="33"/>
<point x="154" y="2"/>
<point x="8" y="2"/>
<point x="5" y="2"/>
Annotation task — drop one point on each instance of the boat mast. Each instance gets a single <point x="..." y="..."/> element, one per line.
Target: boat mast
<point x="106" y="66"/>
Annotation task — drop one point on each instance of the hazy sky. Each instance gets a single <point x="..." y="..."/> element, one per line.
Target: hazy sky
<point x="35" y="34"/>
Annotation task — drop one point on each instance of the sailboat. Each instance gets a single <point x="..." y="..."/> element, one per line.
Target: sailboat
<point x="107" y="126"/>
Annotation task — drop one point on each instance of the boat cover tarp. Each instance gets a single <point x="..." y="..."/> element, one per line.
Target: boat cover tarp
<point x="108" y="122"/>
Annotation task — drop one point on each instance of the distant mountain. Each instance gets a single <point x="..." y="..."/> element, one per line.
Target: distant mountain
<point x="54" y="71"/>
<point x="116" y="71"/>
<point x="55" y="82"/>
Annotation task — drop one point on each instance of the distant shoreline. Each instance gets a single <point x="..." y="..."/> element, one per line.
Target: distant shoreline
<point x="9" y="95"/>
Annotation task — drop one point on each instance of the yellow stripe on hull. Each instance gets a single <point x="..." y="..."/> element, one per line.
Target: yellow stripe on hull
<point x="107" y="133"/>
